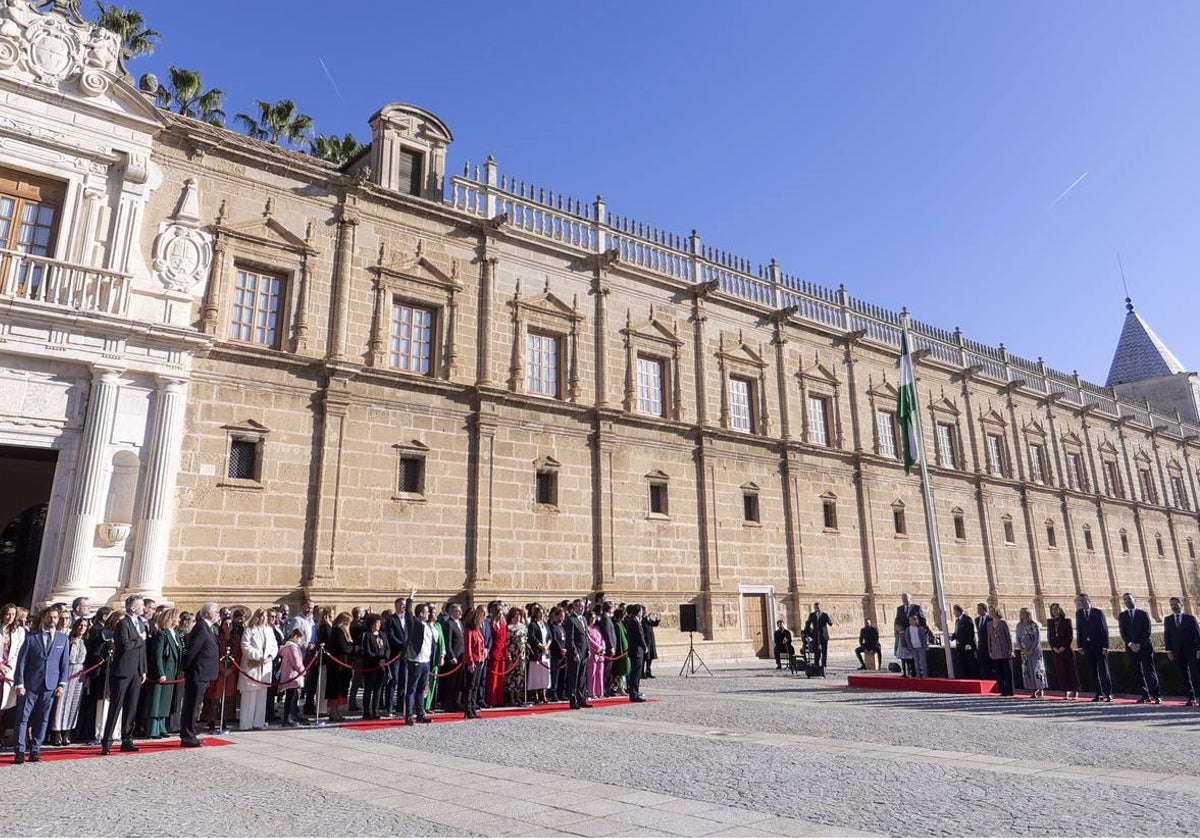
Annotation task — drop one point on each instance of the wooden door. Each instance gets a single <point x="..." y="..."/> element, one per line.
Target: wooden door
<point x="754" y="612"/>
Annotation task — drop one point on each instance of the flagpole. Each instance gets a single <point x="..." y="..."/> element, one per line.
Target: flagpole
<point x="935" y="548"/>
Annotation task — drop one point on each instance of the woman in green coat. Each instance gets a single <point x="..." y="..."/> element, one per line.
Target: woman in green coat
<point x="435" y="661"/>
<point x="620" y="666"/>
<point x="165" y="650"/>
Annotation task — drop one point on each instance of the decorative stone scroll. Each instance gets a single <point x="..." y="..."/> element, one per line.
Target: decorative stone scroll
<point x="58" y="47"/>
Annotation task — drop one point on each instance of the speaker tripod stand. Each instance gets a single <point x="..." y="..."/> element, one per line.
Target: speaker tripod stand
<point x="692" y="662"/>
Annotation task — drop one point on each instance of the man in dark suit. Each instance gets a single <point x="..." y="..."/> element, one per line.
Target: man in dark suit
<point x="983" y="660"/>
<point x="558" y="654"/>
<point x="1134" y="625"/>
<point x="396" y="630"/>
<point x="126" y="675"/>
<point x="42" y="670"/>
<point x="418" y="657"/>
<point x="964" y="644"/>
<point x="1091" y="636"/>
<point x="608" y="629"/>
<point x="1181" y="638"/>
<point x="450" y="688"/>
<point x="198" y="666"/>
<point x="637" y="651"/>
<point x="575" y="630"/>
<point x="783" y="644"/>
<point x="817" y="628"/>
<point x="904" y="612"/>
<point x="868" y="641"/>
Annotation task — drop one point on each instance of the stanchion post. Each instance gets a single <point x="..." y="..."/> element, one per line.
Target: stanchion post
<point x="320" y="688"/>
<point x="223" y="676"/>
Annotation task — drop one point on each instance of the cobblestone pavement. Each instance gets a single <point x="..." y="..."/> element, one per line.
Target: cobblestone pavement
<point x="746" y="752"/>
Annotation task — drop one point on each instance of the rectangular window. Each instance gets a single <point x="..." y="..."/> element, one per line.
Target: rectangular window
<point x="960" y="527"/>
<point x="658" y="498"/>
<point x="829" y="514"/>
<point x="750" y="506"/>
<point x="1112" y="477"/>
<point x="885" y="423"/>
<point x="409" y="175"/>
<point x="1158" y="543"/>
<point x="1087" y="539"/>
<point x="1076" y="475"/>
<point x="650" y="386"/>
<point x="256" y="308"/>
<point x="741" y="404"/>
<point x="244" y="461"/>
<point x="1149" y="492"/>
<point x="29" y="209"/>
<point x="1037" y="463"/>
<point x="1191" y="549"/>
<point x="1180" y="492"/>
<point x="1010" y="537"/>
<point x="546" y="489"/>
<point x="1124" y="543"/>
<point x="412" y="338"/>
<point x="1051" y="537"/>
<point x="412" y="474"/>
<point x="947" y="445"/>
<point x="818" y="421"/>
<point x="898" y="521"/>
<point x="542" y="364"/>
<point x="995" y="450"/>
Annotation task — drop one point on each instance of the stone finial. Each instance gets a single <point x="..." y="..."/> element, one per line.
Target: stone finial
<point x="148" y="83"/>
<point x="269" y="207"/>
<point x="1128" y="304"/>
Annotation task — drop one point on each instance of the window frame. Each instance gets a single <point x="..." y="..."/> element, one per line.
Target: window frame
<point x="280" y="328"/>
<point x="885" y="419"/>
<point x="660" y="481"/>
<point x="751" y="424"/>
<point x="818" y="419"/>
<point x="663" y="366"/>
<point x="252" y="433"/>
<point x="829" y="517"/>
<point x="432" y="361"/>
<point x="546" y="472"/>
<point x="532" y="336"/>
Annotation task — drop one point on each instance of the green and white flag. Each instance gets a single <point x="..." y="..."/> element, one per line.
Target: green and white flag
<point x="906" y="406"/>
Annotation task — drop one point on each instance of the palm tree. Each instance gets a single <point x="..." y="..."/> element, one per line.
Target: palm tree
<point x="277" y="121"/>
<point x="186" y="95"/>
<point x="335" y="149"/>
<point x="136" y="38"/>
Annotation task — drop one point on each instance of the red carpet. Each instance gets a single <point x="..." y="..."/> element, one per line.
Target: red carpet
<point x="447" y="717"/>
<point x="144" y="747"/>
<point x="941" y="685"/>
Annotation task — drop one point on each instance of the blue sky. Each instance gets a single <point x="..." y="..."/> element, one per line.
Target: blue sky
<point x="912" y="151"/>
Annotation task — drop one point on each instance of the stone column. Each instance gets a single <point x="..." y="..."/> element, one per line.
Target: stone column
<point x="72" y="577"/>
<point x="153" y="528"/>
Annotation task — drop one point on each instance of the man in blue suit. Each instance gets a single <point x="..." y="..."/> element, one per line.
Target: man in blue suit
<point x="1091" y="635"/>
<point x="43" y="668"/>
<point x="1135" y="632"/>
<point x="1181" y="637"/>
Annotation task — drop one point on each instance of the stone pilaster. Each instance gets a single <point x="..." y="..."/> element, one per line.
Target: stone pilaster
<point x="72" y="576"/>
<point x="153" y="526"/>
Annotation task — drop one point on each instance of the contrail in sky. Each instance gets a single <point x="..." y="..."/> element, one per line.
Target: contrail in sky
<point x="1061" y="195"/>
<point x="338" y="91"/>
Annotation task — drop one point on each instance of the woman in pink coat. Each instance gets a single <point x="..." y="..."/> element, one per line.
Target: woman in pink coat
<point x="291" y="674"/>
<point x="596" y="660"/>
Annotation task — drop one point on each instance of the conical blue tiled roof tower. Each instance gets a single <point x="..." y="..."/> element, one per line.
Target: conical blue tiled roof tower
<point x="1140" y="353"/>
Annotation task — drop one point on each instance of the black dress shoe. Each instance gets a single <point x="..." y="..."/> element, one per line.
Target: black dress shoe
<point x="18" y="758"/>
<point x="105" y="747"/>
<point x="128" y="746"/>
<point x="424" y="719"/>
<point x="35" y="757"/>
<point x="192" y="743"/>
<point x="586" y="706"/>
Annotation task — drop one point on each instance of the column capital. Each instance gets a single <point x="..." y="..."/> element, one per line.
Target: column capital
<point x="106" y="372"/>
<point x="171" y="382"/>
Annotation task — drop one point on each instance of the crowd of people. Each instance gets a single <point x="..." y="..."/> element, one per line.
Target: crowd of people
<point x="69" y="675"/>
<point x="984" y="646"/>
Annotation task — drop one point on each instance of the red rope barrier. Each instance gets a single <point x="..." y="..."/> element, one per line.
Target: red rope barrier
<point x="85" y="672"/>
<point x="247" y="676"/>
<point x="461" y="662"/>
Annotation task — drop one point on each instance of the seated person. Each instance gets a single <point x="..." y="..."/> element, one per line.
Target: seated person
<point x="783" y="644"/>
<point x="868" y="640"/>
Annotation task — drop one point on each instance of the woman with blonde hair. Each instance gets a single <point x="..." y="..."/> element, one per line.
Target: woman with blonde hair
<point x="12" y="636"/>
<point x="259" y="649"/>
<point x="165" y="652"/>
<point x="1029" y="640"/>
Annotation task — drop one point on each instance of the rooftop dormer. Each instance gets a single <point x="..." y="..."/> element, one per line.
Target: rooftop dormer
<point x="408" y="150"/>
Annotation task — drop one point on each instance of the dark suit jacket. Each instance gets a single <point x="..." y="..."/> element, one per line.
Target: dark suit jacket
<point x="783" y="639"/>
<point x="868" y="636"/>
<point x="981" y="634"/>
<point x="818" y="626"/>
<point x="575" y="637"/>
<point x="558" y="639"/>
<point x="964" y="632"/>
<point x="609" y="631"/>
<point x="417" y="630"/>
<point x="39" y="670"/>
<point x="1181" y="636"/>
<point x="634" y="635"/>
<point x="1091" y="631"/>
<point x="375" y="650"/>
<point x="200" y="653"/>
<point x="397" y="626"/>
<point x="535" y="640"/>
<point x="903" y="613"/>
<point x="1135" y="629"/>
<point x="129" y="650"/>
<point x="454" y="638"/>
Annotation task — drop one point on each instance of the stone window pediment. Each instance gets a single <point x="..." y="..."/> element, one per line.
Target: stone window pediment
<point x="993" y="420"/>
<point x="818" y="373"/>
<point x="652" y="331"/>
<point x="1033" y="429"/>
<point x="413" y="445"/>
<point x="944" y="406"/>
<point x="412" y="279"/>
<point x="547" y="309"/>
<point x="1072" y="441"/>
<point x="652" y="351"/>
<point x="247" y="427"/>
<point x="657" y="475"/>
<point x="1108" y="449"/>
<point x="416" y="269"/>
<point x="265" y="231"/>
<point x="740" y="354"/>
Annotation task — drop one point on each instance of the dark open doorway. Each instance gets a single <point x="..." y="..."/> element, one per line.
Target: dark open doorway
<point x="26" y="479"/>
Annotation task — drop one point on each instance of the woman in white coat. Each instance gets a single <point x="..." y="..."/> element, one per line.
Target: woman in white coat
<point x="12" y="636"/>
<point x="259" y="649"/>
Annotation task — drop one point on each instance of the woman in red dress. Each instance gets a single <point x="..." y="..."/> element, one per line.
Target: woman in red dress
<point x="497" y="665"/>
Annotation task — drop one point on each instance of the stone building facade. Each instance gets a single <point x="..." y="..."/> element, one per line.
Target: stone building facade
<point x="394" y="376"/>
